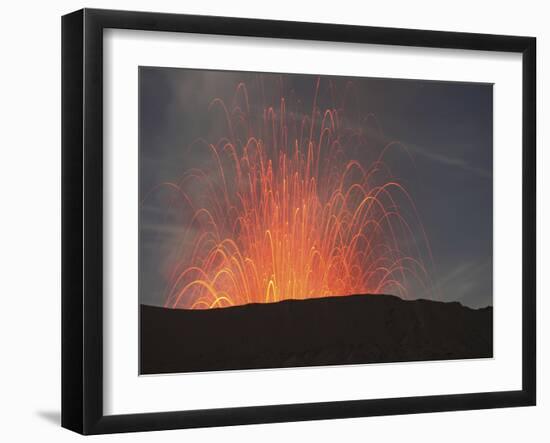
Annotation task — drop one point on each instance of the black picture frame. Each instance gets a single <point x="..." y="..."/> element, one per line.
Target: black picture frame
<point x="82" y="221"/>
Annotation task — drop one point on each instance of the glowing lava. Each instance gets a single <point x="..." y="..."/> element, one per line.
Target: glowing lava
<point x="282" y="211"/>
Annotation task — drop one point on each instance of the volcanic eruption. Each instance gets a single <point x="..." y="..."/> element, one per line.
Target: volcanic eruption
<point x="282" y="209"/>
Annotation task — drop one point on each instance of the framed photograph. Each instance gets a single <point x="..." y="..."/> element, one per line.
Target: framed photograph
<point x="271" y="221"/>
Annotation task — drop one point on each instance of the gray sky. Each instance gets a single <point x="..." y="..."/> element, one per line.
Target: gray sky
<point x="446" y="126"/>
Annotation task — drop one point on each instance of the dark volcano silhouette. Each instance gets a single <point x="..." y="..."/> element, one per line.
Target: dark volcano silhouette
<point x="316" y="332"/>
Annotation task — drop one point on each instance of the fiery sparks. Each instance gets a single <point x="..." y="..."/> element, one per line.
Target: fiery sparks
<point x="282" y="211"/>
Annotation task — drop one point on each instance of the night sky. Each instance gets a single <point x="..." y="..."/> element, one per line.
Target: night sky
<point x="446" y="127"/>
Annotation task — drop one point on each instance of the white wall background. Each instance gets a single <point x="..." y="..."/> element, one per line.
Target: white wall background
<point x="30" y="204"/>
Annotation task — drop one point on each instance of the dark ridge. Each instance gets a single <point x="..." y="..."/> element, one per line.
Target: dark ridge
<point x="316" y="332"/>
